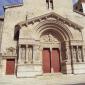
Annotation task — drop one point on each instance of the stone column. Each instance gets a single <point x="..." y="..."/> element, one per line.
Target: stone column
<point x="82" y="57"/>
<point x="19" y="59"/>
<point x="77" y="59"/>
<point x="27" y="54"/>
<point x="83" y="54"/>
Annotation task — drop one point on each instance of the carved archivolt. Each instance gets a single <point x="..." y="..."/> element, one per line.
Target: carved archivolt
<point x="60" y="29"/>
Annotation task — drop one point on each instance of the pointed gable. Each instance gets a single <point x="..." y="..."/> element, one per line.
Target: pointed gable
<point x="50" y="15"/>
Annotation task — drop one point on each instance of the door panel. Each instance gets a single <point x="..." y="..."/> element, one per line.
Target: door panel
<point x="55" y="60"/>
<point x="10" y="66"/>
<point x="46" y="60"/>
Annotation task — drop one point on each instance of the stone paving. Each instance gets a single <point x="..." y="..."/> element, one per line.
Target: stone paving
<point x="47" y="79"/>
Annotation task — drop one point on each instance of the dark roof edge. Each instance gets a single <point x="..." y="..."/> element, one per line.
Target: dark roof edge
<point x="1" y="17"/>
<point x="11" y="6"/>
<point x="79" y="12"/>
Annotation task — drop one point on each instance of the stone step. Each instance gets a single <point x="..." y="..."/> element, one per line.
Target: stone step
<point x="28" y="71"/>
<point x="28" y="74"/>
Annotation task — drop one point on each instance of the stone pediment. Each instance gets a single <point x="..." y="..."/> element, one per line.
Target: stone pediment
<point x="50" y="15"/>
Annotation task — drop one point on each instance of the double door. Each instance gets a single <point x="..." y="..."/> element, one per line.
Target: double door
<point x="51" y="60"/>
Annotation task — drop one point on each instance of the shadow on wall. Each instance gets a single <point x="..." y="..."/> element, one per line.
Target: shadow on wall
<point x="16" y="32"/>
<point x="76" y="84"/>
<point x="64" y="58"/>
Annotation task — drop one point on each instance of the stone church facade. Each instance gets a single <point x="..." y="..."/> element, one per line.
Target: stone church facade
<point x="43" y="36"/>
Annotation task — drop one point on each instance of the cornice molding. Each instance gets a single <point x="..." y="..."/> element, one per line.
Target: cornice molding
<point x="50" y="15"/>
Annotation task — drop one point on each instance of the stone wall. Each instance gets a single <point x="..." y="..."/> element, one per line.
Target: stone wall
<point x="17" y="14"/>
<point x="35" y="8"/>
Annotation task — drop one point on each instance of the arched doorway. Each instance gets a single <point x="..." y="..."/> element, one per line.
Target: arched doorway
<point x="51" y="51"/>
<point x="54" y="39"/>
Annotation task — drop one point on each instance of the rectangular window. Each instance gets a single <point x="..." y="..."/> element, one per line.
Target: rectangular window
<point x="49" y="4"/>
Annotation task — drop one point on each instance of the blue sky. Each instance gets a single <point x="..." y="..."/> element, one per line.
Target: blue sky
<point x="74" y="1"/>
<point x="14" y="2"/>
<point x="1" y="10"/>
<point x="8" y="3"/>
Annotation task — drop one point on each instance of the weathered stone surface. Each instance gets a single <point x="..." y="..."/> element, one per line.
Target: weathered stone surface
<point x="38" y="27"/>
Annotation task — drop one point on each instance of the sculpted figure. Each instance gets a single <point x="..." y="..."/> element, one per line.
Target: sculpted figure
<point x="22" y="55"/>
<point x="74" y="55"/>
<point x="79" y="55"/>
<point x="68" y="54"/>
<point x="30" y="54"/>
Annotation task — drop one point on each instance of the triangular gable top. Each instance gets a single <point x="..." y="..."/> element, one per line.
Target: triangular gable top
<point x="54" y="15"/>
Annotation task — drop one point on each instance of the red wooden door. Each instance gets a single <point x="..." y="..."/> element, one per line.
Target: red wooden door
<point x="55" y="60"/>
<point x="10" y="66"/>
<point x="46" y="60"/>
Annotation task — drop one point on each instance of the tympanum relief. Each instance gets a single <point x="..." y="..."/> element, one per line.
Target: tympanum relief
<point x="48" y="38"/>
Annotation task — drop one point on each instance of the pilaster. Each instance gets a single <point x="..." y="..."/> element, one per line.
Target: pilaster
<point x="19" y="59"/>
<point x="27" y="59"/>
